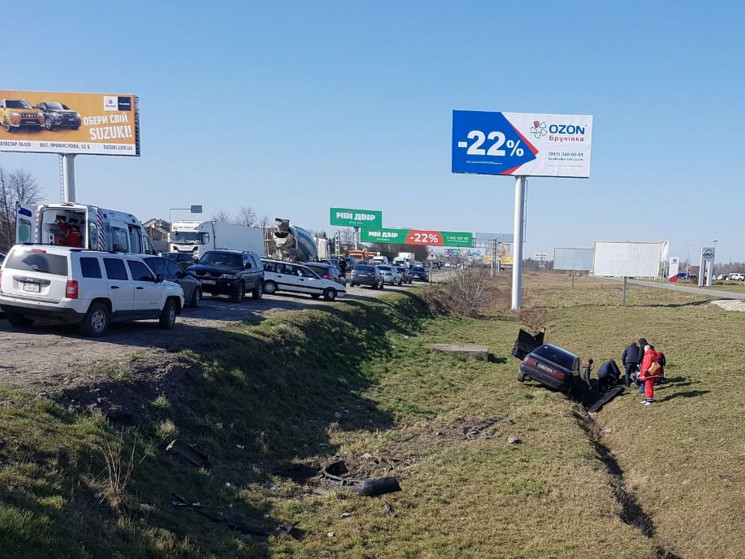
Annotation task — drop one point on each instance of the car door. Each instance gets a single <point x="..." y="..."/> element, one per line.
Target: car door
<point x="121" y="288"/>
<point x="147" y="293"/>
<point x="308" y="281"/>
<point x="286" y="276"/>
<point x="174" y="273"/>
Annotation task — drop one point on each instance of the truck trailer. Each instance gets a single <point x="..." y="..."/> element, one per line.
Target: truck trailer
<point x="197" y="237"/>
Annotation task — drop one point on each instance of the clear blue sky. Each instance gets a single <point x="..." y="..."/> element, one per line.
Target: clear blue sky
<point x="294" y="107"/>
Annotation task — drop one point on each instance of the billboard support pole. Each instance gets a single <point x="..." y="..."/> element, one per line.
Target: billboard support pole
<point x="68" y="177"/>
<point x="625" y="284"/>
<point x="517" y="256"/>
<point x="572" y="279"/>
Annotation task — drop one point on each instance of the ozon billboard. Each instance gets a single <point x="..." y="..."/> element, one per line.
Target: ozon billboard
<point x="522" y="144"/>
<point x="72" y="123"/>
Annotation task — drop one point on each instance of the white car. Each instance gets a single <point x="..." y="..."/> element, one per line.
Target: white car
<point x="84" y="287"/>
<point x="296" y="278"/>
<point x="391" y="275"/>
<point x="737" y="276"/>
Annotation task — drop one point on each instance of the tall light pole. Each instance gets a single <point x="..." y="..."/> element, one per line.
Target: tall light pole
<point x="713" y="258"/>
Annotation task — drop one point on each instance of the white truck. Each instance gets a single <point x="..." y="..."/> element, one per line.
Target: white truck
<point x="81" y="225"/>
<point x="197" y="237"/>
<point x="404" y="259"/>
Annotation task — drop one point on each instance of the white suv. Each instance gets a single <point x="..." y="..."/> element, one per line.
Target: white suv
<point x="85" y="287"/>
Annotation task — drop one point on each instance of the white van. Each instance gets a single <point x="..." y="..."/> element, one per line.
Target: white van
<point x="82" y="226"/>
<point x="379" y="260"/>
<point x="84" y="287"/>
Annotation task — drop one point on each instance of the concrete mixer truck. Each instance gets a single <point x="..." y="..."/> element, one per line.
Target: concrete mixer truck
<point x="290" y="243"/>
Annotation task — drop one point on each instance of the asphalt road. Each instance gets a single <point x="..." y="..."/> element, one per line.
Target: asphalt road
<point x="707" y="291"/>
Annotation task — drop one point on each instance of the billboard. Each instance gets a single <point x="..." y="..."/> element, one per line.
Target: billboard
<point x="521" y="144"/>
<point x="579" y="259"/>
<point x="627" y="259"/>
<point x="74" y="123"/>
<point x="417" y="237"/>
<point x="345" y="217"/>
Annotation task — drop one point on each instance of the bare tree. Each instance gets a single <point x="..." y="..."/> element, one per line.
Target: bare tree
<point x="246" y="216"/>
<point x="222" y="217"/>
<point x="16" y="187"/>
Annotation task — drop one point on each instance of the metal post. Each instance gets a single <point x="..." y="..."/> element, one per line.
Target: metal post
<point x="517" y="249"/>
<point x="68" y="177"/>
<point x="701" y="270"/>
<point x="572" y="278"/>
<point x="625" y="283"/>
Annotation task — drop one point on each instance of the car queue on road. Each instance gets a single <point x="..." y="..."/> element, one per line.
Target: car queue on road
<point x="93" y="289"/>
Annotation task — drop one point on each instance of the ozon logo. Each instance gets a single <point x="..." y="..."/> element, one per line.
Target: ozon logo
<point x="566" y="133"/>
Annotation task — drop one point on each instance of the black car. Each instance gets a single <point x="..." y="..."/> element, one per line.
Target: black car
<point x="183" y="259"/>
<point x="362" y="274"/>
<point x="172" y="272"/>
<point x="552" y="366"/>
<point x="57" y="115"/>
<point x="419" y="273"/>
<point x="230" y="272"/>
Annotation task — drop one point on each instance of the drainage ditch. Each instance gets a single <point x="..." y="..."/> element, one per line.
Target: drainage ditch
<point x="632" y="513"/>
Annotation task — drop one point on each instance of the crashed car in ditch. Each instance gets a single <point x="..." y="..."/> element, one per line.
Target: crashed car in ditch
<point x="548" y="364"/>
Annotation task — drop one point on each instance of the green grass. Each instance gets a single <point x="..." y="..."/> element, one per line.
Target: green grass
<point x="351" y="379"/>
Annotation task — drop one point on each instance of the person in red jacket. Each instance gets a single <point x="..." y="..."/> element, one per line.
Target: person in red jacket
<point x="648" y="377"/>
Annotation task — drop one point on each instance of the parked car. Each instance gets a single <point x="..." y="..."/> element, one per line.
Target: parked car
<point x="18" y="113"/>
<point x="298" y="278"/>
<point x="552" y="366"/>
<point x="737" y="276"/>
<point x="391" y="275"/>
<point x="327" y="271"/>
<point x="58" y="115"/>
<point x="84" y="287"/>
<point x="2" y="257"/>
<point x="230" y="272"/>
<point x="419" y="273"/>
<point x="173" y="272"/>
<point x="364" y="274"/>
<point x="406" y="276"/>
<point x="183" y="259"/>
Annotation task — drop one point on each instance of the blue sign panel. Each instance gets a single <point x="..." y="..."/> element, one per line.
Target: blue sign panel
<point x="488" y="144"/>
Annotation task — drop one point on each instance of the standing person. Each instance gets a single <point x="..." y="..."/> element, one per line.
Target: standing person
<point x="651" y="371"/>
<point x="343" y="269"/>
<point x="642" y="342"/>
<point x="630" y="358"/>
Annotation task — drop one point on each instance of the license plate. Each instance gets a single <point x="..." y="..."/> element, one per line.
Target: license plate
<point x="32" y="287"/>
<point x="208" y="282"/>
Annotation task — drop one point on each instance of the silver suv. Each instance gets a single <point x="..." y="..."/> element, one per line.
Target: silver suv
<point x="84" y="287"/>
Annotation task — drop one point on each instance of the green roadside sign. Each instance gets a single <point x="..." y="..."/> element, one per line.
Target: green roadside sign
<point x="346" y="217"/>
<point x="417" y="237"/>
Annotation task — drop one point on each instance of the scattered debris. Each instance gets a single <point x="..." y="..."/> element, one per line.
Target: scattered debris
<point x="337" y="475"/>
<point x="605" y="431"/>
<point x="232" y="522"/>
<point x="344" y="515"/>
<point x="240" y="447"/>
<point x="330" y="534"/>
<point x="512" y="439"/>
<point x="389" y="509"/>
<point x="607" y="397"/>
<point x="337" y="415"/>
<point x="367" y="456"/>
<point x="144" y="507"/>
<point x="190" y="453"/>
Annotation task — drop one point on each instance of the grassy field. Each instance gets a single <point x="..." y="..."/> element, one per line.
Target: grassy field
<point x="271" y="403"/>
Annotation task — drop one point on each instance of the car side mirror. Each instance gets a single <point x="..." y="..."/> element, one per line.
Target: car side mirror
<point x="247" y="266"/>
<point x="159" y="278"/>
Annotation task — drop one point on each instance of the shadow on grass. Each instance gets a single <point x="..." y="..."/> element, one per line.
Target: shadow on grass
<point x="494" y="359"/>
<point x="689" y="394"/>
<point x="680" y="305"/>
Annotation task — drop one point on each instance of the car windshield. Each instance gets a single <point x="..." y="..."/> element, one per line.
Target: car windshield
<point x="189" y="237"/>
<point x="221" y="259"/>
<point x="418" y="269"/>
<point x="17" y="104"/>
<point x="56" y="106"/>
<point x="360" y="268"/>
<point x="557" y="355"/>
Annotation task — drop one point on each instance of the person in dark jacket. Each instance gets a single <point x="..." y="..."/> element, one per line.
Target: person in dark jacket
<point x="631" y="357"/>
<point x="608" y="375"/>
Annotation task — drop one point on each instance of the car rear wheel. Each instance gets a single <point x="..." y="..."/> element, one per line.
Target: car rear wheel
<point x="19" y="320"/>
<point x="270" y="287"/>
<point x="329" y="294"/>
<point x="257" y="292"/>
<point x="196" y="298"/>
<point x="96" y="320"/>
<point x="238" y="292"/>
<point x="521" y="376"/>
<point x="167" y="317"/>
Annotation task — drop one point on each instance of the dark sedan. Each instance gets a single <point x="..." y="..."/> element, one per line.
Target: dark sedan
<point x="362" y="274"/>
<point x="420" y="273"/>
<point x="172" y="272"/>
<point x="183" y="259"/>
<point x="552" y="366"/>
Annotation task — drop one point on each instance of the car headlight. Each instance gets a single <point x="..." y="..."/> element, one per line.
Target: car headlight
<point x="15" y="113"/>
<point x="77" y="115"/>
<point x="229" y="276"/>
